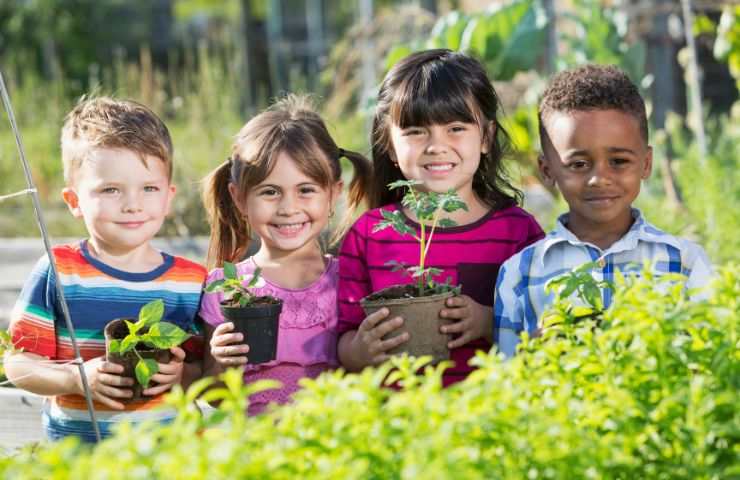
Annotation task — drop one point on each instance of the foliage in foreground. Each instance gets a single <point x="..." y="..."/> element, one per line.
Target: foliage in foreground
<point x="652" y="393"/>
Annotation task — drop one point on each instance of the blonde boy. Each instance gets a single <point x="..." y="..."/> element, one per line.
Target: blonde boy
<point x="117" y="158"/>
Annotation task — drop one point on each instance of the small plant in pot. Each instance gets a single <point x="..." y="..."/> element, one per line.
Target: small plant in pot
<point x="419" y="302"/>
<point x="140" y="345"/>
<point x="255" y="317"/>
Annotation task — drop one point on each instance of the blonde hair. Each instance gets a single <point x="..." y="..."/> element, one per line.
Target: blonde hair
<point x="292" y="126"/>
<point x="105" y="122"/>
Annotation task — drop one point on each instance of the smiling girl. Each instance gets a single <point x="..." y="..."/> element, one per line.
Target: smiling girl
<point x="281" y="184"/>
<point x="436" y="122"/>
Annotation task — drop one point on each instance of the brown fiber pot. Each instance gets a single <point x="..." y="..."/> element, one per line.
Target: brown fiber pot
<point x="420" y="319"/>
<point x="117" y="330"/>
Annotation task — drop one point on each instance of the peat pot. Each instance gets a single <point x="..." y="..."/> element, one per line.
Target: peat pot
<point x="420" y="319"/>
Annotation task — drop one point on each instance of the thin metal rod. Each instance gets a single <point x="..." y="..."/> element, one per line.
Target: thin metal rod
<point x="50" y="253"/>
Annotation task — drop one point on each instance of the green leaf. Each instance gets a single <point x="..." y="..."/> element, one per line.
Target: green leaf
<point x="447" y="223"/>
<point x="255" y="277"/>
<point x="114" y="346"/>
<point x="396" y="54"/>
<point x="404" y="184"/>
<point x="152" y="312"/>
<point x="128" y="343"/>
<point x="230" y="271"/>
<point x="215" y="285"/>
<point x="593" y="295"/>
<point x="145" y="369"/>
<point x="168" y="335"/>
<point x="134" y="327"/>
<point x="448" y="31"/>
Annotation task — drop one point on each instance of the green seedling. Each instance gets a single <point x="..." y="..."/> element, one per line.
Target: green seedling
<point x="148" y="332"/>
<point x="428" y="208"/>
<point x="232" y="285"/>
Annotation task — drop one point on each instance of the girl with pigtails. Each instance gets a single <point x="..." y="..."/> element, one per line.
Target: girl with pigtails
<point x="280" y="184"/>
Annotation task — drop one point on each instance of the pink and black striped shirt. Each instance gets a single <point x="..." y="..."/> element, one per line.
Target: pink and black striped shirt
<point x="470" y="254"/>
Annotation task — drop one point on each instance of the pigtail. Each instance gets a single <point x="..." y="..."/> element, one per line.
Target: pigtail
<point x="357" y="193"/>
<point x="229" y="230"/>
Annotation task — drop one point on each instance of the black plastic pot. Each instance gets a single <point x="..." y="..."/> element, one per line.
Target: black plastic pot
<point x="259" y="325"/>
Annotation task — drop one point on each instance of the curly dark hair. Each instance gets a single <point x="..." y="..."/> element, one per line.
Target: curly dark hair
<point x="592" y="87"/>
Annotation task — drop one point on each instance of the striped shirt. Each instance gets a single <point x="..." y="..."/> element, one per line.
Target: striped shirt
<point x="97" y="293"/>
<point x="469" y="254"/>
<point x="520" y="290"/>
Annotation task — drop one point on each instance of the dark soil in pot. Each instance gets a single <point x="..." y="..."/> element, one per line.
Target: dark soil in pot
<point x="421" y="319"/>
<point x="117" y="330"/>
<point x="259" y="323"/>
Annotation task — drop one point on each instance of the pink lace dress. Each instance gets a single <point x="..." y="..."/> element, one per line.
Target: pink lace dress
<point x="307" y="338"/>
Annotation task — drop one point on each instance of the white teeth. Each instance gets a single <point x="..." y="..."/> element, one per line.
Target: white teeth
<point x="291" y="227"/>
<point x="439" y="168"/>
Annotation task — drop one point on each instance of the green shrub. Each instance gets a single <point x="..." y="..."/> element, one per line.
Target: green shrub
<point x="651" y="395"/>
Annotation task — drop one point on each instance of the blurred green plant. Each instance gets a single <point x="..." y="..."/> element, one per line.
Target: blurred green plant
<point x="507" y="38"/>
<point x="652" y="393"/>
<point x="717" y="185"/>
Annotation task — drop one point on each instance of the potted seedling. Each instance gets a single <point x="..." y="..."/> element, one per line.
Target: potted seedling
<point x="255" y="317"/>
<point x="140" y="345"/>
<point x="419" y="302"/>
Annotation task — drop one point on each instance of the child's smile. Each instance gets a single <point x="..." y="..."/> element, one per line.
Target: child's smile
<point x="443" y="156"/>
<point x="122" y="201"/>
<point x="288" y="209"/>
<point x="598" y="159"/>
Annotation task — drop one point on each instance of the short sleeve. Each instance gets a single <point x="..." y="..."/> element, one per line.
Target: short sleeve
<point x="354" y="280"/>
<point x="210" y="303"/>
<point x="698" y="269"/>
<point x="32" y="326"/>
<point x="508" y="318"/>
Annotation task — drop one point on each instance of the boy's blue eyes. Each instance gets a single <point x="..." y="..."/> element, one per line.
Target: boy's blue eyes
<point x="112" y="190"/>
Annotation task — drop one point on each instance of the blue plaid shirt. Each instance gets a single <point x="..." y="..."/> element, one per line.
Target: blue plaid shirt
<point x="520" y="296"/>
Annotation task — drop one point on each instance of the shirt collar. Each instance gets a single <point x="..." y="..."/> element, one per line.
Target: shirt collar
<point x="641" y="230"/>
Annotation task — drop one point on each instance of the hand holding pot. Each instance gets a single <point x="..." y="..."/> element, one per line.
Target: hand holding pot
<point x="105" y="382"/>
<point x="168" y="375"/>
<point x="368" y="343"/>
<point x="472" y="320"/>
<point x="227" y="348"/>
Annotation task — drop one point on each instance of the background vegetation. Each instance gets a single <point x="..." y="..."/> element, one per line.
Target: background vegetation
<point x="649" y="394"/>
<point x="193" y="73"/>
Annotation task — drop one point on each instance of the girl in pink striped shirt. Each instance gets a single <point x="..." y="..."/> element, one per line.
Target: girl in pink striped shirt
<point x="281" y="184"/>
<point x="436" y="122"/>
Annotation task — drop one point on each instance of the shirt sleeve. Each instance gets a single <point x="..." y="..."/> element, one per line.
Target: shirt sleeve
<point x="508" y="316"/>
<point x="210" y="303"/>
<point x="699" y="271"/>
<point x="354" y="280"/>
<point x="32" y="322"/>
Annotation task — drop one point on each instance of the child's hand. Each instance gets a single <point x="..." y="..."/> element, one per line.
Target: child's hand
<point x="227" y="348"/>
<point x="473" y="320"/>
<point x="368" y="343"/>
<point x="106" y="382"/>
<point x="169" y="374"/>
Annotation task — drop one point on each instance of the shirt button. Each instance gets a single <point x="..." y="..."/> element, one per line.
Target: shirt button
<point x="602" y="262"/>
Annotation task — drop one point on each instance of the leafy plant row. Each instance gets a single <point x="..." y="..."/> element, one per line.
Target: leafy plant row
<point x="648" y="390"/>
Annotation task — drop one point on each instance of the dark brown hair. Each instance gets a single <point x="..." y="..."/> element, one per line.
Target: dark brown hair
<point x="291" y="126"/>
<point x="437" y="87"/>
<point x="592" y="87"/>
<point x="105" y="122"/>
